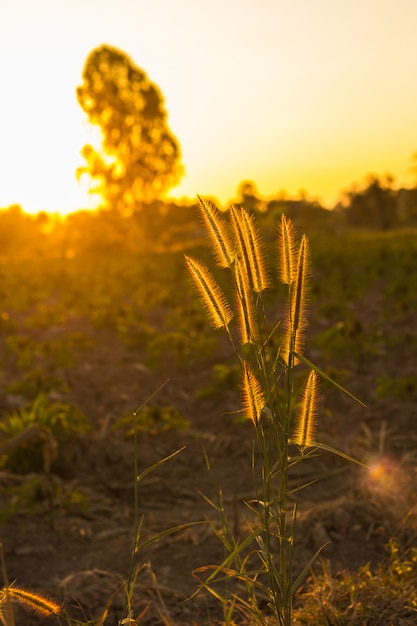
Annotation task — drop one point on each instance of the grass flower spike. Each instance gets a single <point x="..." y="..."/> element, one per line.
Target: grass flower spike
<point x="257" y="266"/>
<point x="299" y="319"/>
<point x="306" y="419"/>
<point x="249" y="244"/>
<point x="287" y="251"/>
<point x="247" y="319"/>
<point x="217" y="230"/>
<point x="296" y="318"/>
<point x="212" y="297"/>
<point x="31" y="601"/>
<point x="253" y="397"/>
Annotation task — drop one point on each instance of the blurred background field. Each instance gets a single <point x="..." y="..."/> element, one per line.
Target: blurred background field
<point x="91" y="328"/>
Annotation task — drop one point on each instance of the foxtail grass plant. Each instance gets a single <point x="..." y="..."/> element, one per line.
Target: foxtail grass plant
<point x="284" y="423"/>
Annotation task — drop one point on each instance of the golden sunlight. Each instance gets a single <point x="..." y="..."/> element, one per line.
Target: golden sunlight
<point x="385" y="478"/>
<point x="41" y="144"/>
<point x="42" y="177"/>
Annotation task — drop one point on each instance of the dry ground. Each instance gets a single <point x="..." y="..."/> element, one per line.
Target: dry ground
<point x="80" y="554"/>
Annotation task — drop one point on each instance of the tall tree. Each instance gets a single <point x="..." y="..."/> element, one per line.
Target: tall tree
<point x="140" y="157"/>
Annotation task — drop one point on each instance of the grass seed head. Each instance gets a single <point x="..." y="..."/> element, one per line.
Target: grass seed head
<point x="287" y="254"/>
<point x="31" y="601"/>
<point x="218" y="233"/>
<point x="307" y="416"/>
<point x="296" y="318"/>
<point x="237" y="222"/>
<point x="247" y="318"/>
<point x="249" y="246"/>
<point x="257" y="265"/>
<point x="211" y="296"/>
<point x="253" y="399"/>
<point x="301" y="286"/>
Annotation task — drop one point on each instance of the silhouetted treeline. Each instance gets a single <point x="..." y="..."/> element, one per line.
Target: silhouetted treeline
<point x="164" y="225"/>
<point x="376" y="205"/>
<point x="379" y="206"/>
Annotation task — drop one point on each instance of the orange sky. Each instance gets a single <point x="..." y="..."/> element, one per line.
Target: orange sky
<point x="293" y="95"/>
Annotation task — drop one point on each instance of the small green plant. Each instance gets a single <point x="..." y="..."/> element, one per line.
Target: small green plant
<point x="225" y="376"/>
<point x="53" y="424"/>
<point x="177" y="347"/>
<point x="284" y="422"/>
<point x="36" y="381"/>
<point x="152" y="420"/>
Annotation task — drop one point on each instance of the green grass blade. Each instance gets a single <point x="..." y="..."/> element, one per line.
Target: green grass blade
<point x="165" y="533"/>
<point x="155" y="466"/>
<point x="297" y="582"/>
<point x="238" y="549"/>
<point x="333" y="382"/>
<point x="324" y="446"/>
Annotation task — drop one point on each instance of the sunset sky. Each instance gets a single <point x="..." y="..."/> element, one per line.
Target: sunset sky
<point x="302" y="95"/>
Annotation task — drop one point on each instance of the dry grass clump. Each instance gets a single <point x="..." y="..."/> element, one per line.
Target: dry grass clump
<point x="385" y="596"/>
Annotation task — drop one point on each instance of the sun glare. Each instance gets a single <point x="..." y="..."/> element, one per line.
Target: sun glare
<point x="41" y="144"/>
<point x="42" y="177"/>
<point x="385" y="478"/>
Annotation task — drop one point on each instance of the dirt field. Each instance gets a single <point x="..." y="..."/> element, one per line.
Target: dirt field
<point x="75" y="542"/>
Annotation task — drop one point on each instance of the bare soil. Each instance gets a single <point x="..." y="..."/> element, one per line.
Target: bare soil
<point x="80" y="553"/>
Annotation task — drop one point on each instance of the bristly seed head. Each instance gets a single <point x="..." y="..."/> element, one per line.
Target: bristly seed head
<point x="235" y="214"/>
<point x="249" y="246"/>
<point x="296" y="319"/>
<point x="286" y="235"/>
<point x="211" y="296"/>
<point x="257" y="265"/>
<point x="32" y="601"/>
<point x="253" y="399"/>
<point x="307" y="416"/>
<point x="301" y="286"/>
<point x="217" y="230"/>
<point x="247" y="319"/>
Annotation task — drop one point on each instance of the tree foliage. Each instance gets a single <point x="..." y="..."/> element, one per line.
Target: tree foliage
<point x="248" y="195"/>
<point x="375" y="206"/>
<point x="140" y="157"/>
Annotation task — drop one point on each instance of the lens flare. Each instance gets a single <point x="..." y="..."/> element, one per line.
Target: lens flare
<point x="385" y="478"/>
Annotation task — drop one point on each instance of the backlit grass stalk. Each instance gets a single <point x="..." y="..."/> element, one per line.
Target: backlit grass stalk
<point x="284" y="434"/>
<point x="286" y="251"/>
<point x="249" y="331"/>
<point x="249" y="245"/>
<point x="306" y="421"/>
<point x="218" y="233"/>
<point x="253" y="399"/>
<point x="267" y="394"/>
<point x="213" y="299"/>
<point x="296" y="318"/>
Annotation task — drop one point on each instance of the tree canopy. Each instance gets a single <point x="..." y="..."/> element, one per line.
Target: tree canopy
<point x="374" y="206"/>
<point x="140" y="157"/>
